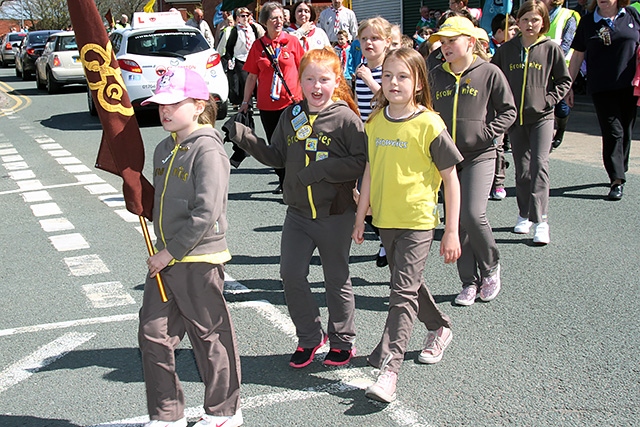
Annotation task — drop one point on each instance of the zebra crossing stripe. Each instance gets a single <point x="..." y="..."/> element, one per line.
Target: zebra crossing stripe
<point x="42" y="357"/>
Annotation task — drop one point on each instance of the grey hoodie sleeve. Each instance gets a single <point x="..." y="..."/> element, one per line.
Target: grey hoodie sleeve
<point x="502" y="102"/>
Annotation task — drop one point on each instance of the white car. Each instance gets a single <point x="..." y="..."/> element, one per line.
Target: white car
<point x="59" y="63"/>
<point x="159" y="41"/>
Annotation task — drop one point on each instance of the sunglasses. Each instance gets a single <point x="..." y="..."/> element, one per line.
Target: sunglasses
<point x="243" y="16"/>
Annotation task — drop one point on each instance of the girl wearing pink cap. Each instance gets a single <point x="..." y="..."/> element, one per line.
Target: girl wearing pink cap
<point x="191" y="180"/>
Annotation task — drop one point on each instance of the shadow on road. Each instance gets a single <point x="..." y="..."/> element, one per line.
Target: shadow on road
<point x="27" y="421"/>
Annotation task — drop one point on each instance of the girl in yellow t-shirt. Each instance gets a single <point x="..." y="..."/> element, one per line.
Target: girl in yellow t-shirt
<point x="410" y="153"/>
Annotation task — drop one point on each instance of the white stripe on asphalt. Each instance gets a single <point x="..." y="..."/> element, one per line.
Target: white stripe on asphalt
<point x="101" y="189"/>
<point x="30" y="184"/>
<point x="14" y="166"/>
<point x="59" y="153"/>
<point x="22" y="174"/>
<point x="46" y="209"/>
<point x="68" y="324"/>
<point x="42" y="357"/>
<point x="127" y="216"/>
<point x="67" y="160"/>
<point x="7" y="151"/>
<point x="44" y="139"/>
<point x="52" y="225"/>
<point x="91" y="178"/>
<point x="86" y="265"/>
<point x="36" y="196"/>
<point x="69" y="242"/>
<point x="107" y="294"/>
<point x="77" y="169"/>
<point x="51" y="146"/>
<point x="14" y="158"/>
<point x="113" y="200"/>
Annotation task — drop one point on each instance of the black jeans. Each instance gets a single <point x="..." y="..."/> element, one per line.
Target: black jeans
<point x="269" y="121"/>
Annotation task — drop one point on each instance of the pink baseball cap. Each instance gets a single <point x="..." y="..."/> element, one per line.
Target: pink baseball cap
<point x="176" y="85"/>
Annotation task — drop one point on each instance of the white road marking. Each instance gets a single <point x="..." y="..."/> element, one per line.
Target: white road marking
<point x="37" y="186"/>
<point x="91" y="178"/>
<point x="275" y="316"/>
<point x="14" y="166"/>
<point x="67" y="160"/>
<point x="22" y="174"/>
<point x="36" y="196"/>
<point x="46" y="209"/>
<point x="42" y="357"/>
<point x="6" y="145"/>
<point x="86" y="265"/>
<point x="101" y="189"/>
<point x="8" y="151"/>
<point x="52" y="225"/>
<point x="14" y="158"/>
<point x="51" y="146"/>
<point x="68" y="324"/>
<point x="127" y="216"/>
<point x="77" y="169"/>
<point x="43" y="139"/>
<point x="107" y="294"/>
<point x="59" y="153"/>
<point x="113" y="200"/>
<point x="30" y="184"/>
<point x="69" y="242"/>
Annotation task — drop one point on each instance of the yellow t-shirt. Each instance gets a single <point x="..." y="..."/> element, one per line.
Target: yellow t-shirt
<point x="404" y="176"/>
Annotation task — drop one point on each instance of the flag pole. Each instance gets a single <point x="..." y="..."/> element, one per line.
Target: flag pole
<point x="147" y="240"/>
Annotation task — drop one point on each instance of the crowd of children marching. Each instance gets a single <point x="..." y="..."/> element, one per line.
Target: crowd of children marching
<point x="380" y="130"/>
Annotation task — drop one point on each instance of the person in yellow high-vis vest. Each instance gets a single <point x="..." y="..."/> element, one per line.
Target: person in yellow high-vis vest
<point x="562" y="30"/>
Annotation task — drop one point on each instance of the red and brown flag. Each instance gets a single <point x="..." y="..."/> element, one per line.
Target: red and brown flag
<point x="121" y="149"/>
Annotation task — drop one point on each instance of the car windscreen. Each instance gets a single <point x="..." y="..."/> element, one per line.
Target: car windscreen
<point x="170" y="42"/>
<point x="16" y="37"/>
<point x="67" y="43"/>
<point x="38" y="38"/>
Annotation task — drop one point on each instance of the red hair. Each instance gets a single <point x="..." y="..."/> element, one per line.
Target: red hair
<point x="327" y="57"/>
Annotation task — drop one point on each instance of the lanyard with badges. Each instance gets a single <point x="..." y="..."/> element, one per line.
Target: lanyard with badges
<point x="314" y="149"/>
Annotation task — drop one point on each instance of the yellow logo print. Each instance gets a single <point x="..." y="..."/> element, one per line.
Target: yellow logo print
<point x="110" y="85"/>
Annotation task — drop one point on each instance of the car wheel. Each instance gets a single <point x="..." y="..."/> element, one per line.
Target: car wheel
<point x="39" y="83"/>
<point x="92" y="107"/>
<point x="222" y="110"/>
<point x="18" y="72"/>
<point x="25" y="75"/>
<point x="52" y="85"/>
<point x="2" y="63"/>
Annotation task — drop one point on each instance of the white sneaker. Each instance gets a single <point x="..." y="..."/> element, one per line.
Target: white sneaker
<point x="435" y="344"/>
<point x="523" y="225"/>
<point x="384" y="389"/>
<point x="541" y="236"/>
<point x="182" y="422"/>
<point x="220" y="421"/>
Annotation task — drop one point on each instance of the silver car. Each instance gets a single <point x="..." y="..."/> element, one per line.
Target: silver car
<point x="157" y="42"/>
<point x="59" y="63"/>
<point x="10" y="42"/>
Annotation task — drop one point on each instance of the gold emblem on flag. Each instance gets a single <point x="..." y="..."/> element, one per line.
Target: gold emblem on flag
<point x="110" y="88"/>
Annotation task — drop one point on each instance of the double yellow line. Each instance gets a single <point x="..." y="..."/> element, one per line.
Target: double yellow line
<point x="19" y="102"/>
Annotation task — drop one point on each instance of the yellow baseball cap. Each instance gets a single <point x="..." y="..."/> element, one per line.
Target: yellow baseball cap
<point x="455" y="26"/>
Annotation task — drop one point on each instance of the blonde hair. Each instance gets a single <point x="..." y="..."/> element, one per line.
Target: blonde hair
<point x="378" y="25"/>
<point x="418" y="67"/>
<point x="210" y="113"/>
<point x="327" y="57"/>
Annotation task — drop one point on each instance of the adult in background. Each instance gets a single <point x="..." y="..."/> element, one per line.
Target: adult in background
<point x="304" y="27"/>
<point x="426" y="19"/>
<point x="608" y="36"/>
<point x="337" y="18"/>
<point x="274" y="94"/>
<point x="563" y="28"/>
<point x="460" y="5"/>
<point x="123" y="22"/>
<point x="198" y="22"/>
<point x="241" y="38"/>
